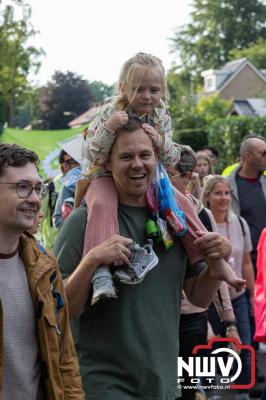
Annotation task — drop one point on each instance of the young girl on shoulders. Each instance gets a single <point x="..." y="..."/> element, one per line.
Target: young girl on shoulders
<point x="141" y="93"/>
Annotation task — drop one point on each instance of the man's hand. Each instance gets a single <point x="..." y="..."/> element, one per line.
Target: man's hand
<point x="111" y="250"/>
<point x="232" y="332"/>
<point x="156" y="138"/>
<point x="213" y="245"/>
<point x="77" y="285"/>
<point x="116" y="121"/>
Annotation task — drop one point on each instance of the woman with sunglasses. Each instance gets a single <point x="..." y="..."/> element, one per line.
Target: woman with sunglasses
<point x="193" y="322"/>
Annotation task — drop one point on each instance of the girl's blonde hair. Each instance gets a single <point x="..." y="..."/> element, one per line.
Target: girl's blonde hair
<point x="203" y="156"/>
<point x="132" y="74"/>
<point x="209" y="182"/>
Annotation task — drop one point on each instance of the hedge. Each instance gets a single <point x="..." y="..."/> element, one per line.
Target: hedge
<point x="197" y="138"/>
<point x="226" y="134"/>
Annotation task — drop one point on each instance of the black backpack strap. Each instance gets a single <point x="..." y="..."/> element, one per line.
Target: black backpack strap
<point x="242" y="225"/>
<point x="205" y="219"/>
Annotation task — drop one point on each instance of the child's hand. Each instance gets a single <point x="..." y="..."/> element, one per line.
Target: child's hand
<point x="154" y="135"/>
<point x="116" y="121"/>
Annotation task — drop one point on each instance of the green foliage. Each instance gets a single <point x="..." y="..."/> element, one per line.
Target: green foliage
<point x="17" y="57"/>
<point x="191" y="116"/>
<point x="216" y="27"/>
<point x="226" y="134"/>
<point x="28" y="113"/>
<point x="100" y="91"/>
<point x="2" y="116"/>
<point x="188" y="126"/>
<point x="255" y="52"/>
<point x="212" y="107"/>
<point x="182" y="98"/>
<point x="195" y="137"/>
<point x="23" y="116"/>
<point x="64" y="98"/>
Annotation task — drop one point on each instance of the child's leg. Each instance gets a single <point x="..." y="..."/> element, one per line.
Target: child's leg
<point x="220" y="270"/>
<point x="102" y="222"/>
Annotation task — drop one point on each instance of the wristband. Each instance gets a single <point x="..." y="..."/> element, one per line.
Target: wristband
<point x="229" y="324"/>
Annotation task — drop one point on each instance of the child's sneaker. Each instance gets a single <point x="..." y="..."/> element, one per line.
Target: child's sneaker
<point x="142" y="260"/>
<point x="103" y="286"/>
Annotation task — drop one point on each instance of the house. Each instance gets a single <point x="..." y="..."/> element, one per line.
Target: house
<point x="237" y="80"/>
<point x="249" y="107"/>
<point x="85" y="118"/>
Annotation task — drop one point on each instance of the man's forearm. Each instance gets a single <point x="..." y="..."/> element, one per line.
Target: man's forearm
<point x="77" y="286"/>
<point x="223" y="304"/>
<point x="201" y="289"/>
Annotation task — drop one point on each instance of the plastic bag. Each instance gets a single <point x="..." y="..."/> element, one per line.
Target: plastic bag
<point x="168" y="206"/>
<point x="165" y="234"/>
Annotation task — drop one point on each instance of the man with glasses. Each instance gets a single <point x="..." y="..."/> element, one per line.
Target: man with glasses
<point x="38" y="360"/>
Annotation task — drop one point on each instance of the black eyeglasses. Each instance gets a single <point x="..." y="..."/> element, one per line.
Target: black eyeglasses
<point x="175" y="175"/>
<point x="263" y="153"/>
<point x="25" y="189"/>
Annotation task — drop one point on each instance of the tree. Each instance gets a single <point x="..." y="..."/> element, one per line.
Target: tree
<point x="188" y="125"/>
<point x="28" y="112"/>
<point x="182" y="97"/>
<point x="213" y="107"/>
<point x="255" y="52"/>
<point x="191" y="113"/>
<point x="17" y="57"/>
<point x="216" y="27"/>
<point x="100" y="91"/>
<point x="64" y="98"/>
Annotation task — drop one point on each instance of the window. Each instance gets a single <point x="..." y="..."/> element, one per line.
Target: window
<point x="209" y="83"/>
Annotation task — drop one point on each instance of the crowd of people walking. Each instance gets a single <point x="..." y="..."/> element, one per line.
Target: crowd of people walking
<point x="145" y="248"/>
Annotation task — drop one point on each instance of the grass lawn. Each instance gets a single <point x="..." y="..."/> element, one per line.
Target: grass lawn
<point x="42" y="142"/>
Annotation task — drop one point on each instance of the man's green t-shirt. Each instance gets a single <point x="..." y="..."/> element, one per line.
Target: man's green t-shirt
<point x="129" y="346"/>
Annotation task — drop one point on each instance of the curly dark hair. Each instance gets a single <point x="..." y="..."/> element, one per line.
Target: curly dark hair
<point x="16" y="156"/>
